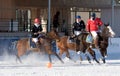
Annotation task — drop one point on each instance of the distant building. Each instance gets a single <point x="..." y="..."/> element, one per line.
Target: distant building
<point x="17" y="15"/>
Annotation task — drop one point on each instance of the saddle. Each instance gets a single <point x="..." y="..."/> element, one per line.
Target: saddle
<point x="37" y="44"/>
<point x="96" y="42"/>
<point x="32" y="43"/>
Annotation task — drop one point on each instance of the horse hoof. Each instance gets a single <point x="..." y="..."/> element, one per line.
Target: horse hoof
<point x="106" y="56"/>
<point x="78" y="52"/>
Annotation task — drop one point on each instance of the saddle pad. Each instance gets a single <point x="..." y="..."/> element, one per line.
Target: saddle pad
<point x="89" y="38"/>
<point x="32" y="44"/>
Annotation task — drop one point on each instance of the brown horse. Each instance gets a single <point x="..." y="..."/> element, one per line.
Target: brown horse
<point x="23" y="45"/>
<point x="103" y="41"/>
<point x="107" y="32"/>
<point x="64" y="45"/>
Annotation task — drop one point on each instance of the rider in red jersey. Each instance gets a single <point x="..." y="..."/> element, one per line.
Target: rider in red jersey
<point x="93" y="26"/>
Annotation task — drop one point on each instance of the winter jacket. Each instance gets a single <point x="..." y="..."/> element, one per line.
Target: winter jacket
<point x="78" y="26"/>
<point x="36" y="30"/>
<point x="93" y="25"/>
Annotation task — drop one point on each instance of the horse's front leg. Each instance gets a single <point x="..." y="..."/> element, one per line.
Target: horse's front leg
<point x="106" y="53"/>
<point x="80" y="56"/>
<point x="103" y="53"/>
<point x="18" y="58"/>
<point x="58" y="56"/>
<point x="92" y="53"/>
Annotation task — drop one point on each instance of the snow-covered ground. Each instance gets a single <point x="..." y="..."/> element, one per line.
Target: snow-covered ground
<point x="35" y="64"/>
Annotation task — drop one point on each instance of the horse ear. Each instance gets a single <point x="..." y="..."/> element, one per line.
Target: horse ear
<point x="106" y="24"/>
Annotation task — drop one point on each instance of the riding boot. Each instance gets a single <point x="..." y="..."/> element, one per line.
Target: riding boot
<point x="96" y="43"/>
<point x="37" y="44"/>
<point x="77" y="41"/>
<point x="72" y="38"/>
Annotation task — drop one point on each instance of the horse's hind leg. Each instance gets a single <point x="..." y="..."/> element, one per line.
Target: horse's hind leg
<point x="58" y="56"/>
<point x="88" y="58"/>
<point x="93" y="54"/>
<point x="49" y="56"/>
<point x="103" y="53"/>
<point x="18" y="58"/>
<point x="81" y="59"/>
<point x="68" y="56"/>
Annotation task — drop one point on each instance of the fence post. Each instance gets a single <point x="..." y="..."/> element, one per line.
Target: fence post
<point x="11" y="25"/>
<point x="30" y="25"/>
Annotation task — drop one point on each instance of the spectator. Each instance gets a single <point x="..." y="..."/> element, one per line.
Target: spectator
<point x="56" y="21"/>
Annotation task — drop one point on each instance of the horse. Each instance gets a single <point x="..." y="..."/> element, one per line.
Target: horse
<point x="23" y="45"/>
<point x="107" y="32"/>
<point x="64" y="45"/>
<point x="104" y="36"/>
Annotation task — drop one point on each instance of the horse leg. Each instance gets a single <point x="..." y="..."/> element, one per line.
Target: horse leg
<point x="49" y="56"/>
<point x="61" y="52"/>
<point x="18" y="58"/>
<point x="88" y="58"/>
<point x="58" y="56"/>
<point x="92" y="53"/>
<point x="80" y="57"/>
<point x="68" y="55"/>
<point x="102" y="51"/>
<point x="106" y="53"/>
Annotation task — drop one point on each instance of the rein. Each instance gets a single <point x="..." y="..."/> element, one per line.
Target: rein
<point x="110" y="41"/>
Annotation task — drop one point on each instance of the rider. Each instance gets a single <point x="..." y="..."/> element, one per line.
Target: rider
<point x="78" y="27"/>
<point x="36" y="30"/>
<point x="93" y="26"/>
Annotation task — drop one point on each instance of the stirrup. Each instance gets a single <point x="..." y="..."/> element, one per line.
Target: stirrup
<point x="90" y="46"/>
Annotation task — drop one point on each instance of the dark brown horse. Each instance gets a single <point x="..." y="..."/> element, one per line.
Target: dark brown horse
<point x="83" y="46"/>
<point x="23" y="45"/>
<point x="107" y="32"/>
<point x="64" y="45"/>
<point x="103" y="41"/>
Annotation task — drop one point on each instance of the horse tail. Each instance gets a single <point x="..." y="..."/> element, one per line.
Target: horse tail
<point x="13" y="47"/>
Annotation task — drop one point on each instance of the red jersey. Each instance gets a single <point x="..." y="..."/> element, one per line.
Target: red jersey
<point x="92" y="25"/>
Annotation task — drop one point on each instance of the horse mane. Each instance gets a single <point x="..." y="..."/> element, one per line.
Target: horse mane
<point x="105" y="30"/>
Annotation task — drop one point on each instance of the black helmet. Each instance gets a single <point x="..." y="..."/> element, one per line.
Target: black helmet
<point x="93" y="15"/>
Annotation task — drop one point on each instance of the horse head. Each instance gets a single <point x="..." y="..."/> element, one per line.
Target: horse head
<point x="107" y="31"/>
<point x="53" y="34"/>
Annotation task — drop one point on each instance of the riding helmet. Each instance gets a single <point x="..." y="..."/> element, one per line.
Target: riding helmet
<point x="93" y="15"/>
<point x="36" y="20"/>
<point x="78" y="17"/>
